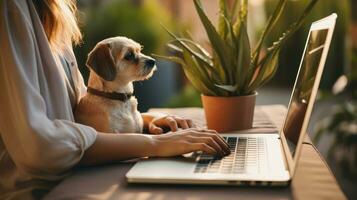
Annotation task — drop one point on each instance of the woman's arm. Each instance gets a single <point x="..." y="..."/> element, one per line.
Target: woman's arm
<point x="114" y="147"/>
<point x="110" y="147"/>
<point x="36" y="124"/>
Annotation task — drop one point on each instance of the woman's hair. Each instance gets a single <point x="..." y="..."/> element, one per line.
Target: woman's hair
<point x="59" y="20"/>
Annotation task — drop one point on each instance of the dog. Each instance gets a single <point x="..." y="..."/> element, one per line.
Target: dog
<point x="109" y="105"/>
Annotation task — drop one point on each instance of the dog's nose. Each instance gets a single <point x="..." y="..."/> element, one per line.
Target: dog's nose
<point x="150" y="63"/>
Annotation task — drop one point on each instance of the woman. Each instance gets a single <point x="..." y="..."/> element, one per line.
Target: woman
<point x="40" y="86"/>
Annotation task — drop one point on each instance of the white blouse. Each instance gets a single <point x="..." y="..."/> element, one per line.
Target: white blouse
<point x="40" y="142"/>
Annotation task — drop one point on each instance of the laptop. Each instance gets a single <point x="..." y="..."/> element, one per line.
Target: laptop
<point x="255" y="159"/>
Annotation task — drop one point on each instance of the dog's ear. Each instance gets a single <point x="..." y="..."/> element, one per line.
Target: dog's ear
<point x="101" y="61"/>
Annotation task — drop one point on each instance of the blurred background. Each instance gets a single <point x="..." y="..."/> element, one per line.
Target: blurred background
<point x="334" y="121"/>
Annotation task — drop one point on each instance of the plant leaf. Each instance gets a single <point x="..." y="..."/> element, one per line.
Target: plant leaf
<point x="210" y="74"/>
<point x="291" y="30"/>
<point x="271" y="69"/>
<point x="232" y="53"/>
<point x="275" y="48"/>
<point x="185" y="46"/>
<point x="243" y="57"/>
<point x="199" y="70"/>
<point x="198" y="47"/>
<point x="218" y="44"/>
<point x="242" y="16"/>
<point x="264" y="72"/>
<point x="175" y="48"/>
<point x="270" y="25"/>
<point x="222" y="26"/>
<point x="203" y="63"/>
<point x="229" y="88"/>
<point x="244" y="11"/>
<point x="216" y="71"/>
<point x="190" y="73"/>
<point x="234" y="9"/>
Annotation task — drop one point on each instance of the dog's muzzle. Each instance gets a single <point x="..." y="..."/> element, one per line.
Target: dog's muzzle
<point x="150" y="63"/>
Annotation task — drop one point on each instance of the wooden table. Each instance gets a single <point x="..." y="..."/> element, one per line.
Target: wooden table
<point x="313" y="178"/>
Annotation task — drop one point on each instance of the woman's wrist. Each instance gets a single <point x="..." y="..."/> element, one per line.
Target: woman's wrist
<point x="154" y="145"/>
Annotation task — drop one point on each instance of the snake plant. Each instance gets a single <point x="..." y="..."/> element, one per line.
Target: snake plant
<point x="233" y="68"/>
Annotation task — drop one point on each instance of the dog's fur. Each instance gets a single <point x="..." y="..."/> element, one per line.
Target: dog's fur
<point x="113" y="69"/>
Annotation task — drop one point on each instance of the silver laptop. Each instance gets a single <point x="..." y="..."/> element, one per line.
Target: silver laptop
<point x="255" y="159"/>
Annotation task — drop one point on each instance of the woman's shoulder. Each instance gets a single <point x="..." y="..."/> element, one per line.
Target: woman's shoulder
<point x="16" y="12"/>
<point x="15" y="6"/>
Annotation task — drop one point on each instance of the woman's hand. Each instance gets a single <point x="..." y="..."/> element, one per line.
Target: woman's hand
<point x="157" y="123"/>
<point x="190" y="140"/>
<point x="109" y="147"/>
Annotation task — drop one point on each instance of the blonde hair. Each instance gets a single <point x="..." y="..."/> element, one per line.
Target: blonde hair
<point x="59" y="20"/>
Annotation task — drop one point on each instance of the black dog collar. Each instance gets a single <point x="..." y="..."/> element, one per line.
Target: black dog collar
<point x="110" y="95"/>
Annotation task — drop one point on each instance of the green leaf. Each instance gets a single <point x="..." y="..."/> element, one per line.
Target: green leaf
<point x="244" y="11"/>
<point x="171" y="58"/>
<point x="231" y="41"/>
<point x="190" y="73"/>
<point x="231" y="38"/>
<point x="199" y="69"/>
<point x="222" y="26"/>
<point x="211" y="75"/>
<point x="234" y="9"/>
<point x="230" y="88"/>
<point x="270" y="25"/>
<point x="216" y="41"/>
<point x="220" y="70"/>
<point x="242" y="16"/>
<point x="175" y="48"/>
<point x="196" y="46"/>
<point x="213" y="71"/>
<point x="272" y="67"/>
<point x="264" y="72"/>
<point x="243" y="57"/>
<point x="236" y="27"/>
<point x="185" y="46"/>
<point x="292" y="29"/>
<point x="274" y="50"/>
<point x="216" y="70"/>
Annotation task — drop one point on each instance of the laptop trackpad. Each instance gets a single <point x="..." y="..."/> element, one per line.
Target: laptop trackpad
<point x="162" y="167"/>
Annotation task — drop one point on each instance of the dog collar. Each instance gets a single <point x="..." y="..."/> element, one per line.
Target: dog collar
<point x="110" y="95"/>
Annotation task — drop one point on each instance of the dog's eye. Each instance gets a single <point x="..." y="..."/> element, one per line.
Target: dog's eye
<point x="129" y="56"/>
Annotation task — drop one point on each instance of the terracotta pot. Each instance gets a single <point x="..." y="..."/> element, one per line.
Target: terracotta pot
<point x="225" y="114"/>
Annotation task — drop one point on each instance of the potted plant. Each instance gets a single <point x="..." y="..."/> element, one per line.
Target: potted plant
<point x="229" y="77"/>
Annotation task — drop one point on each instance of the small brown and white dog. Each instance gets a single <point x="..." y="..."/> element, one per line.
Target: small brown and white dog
<point x="109" y="105"/>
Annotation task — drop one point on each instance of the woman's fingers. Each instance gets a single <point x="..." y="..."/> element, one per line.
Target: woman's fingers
<point x="203" y="147"/>
<point x="212" y="143"/>
<point x="153" y="129"/>
<point x="190" y="123"/>
<point x="210" y="138"/>
<point x="219" y="139"/>
<point x="182" y="123"/>
<point x="189" y="140"/>
<point x="205" y="130"/>
<point x="216" y="137"/>
<point x="171" y="122"/>
<point x="222" y="145"/>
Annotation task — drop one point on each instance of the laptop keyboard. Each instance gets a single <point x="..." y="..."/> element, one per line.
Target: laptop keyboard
<point x="248" y="155"/>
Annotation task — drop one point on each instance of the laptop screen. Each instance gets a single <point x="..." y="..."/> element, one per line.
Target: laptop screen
<point x="303" y="87"/>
